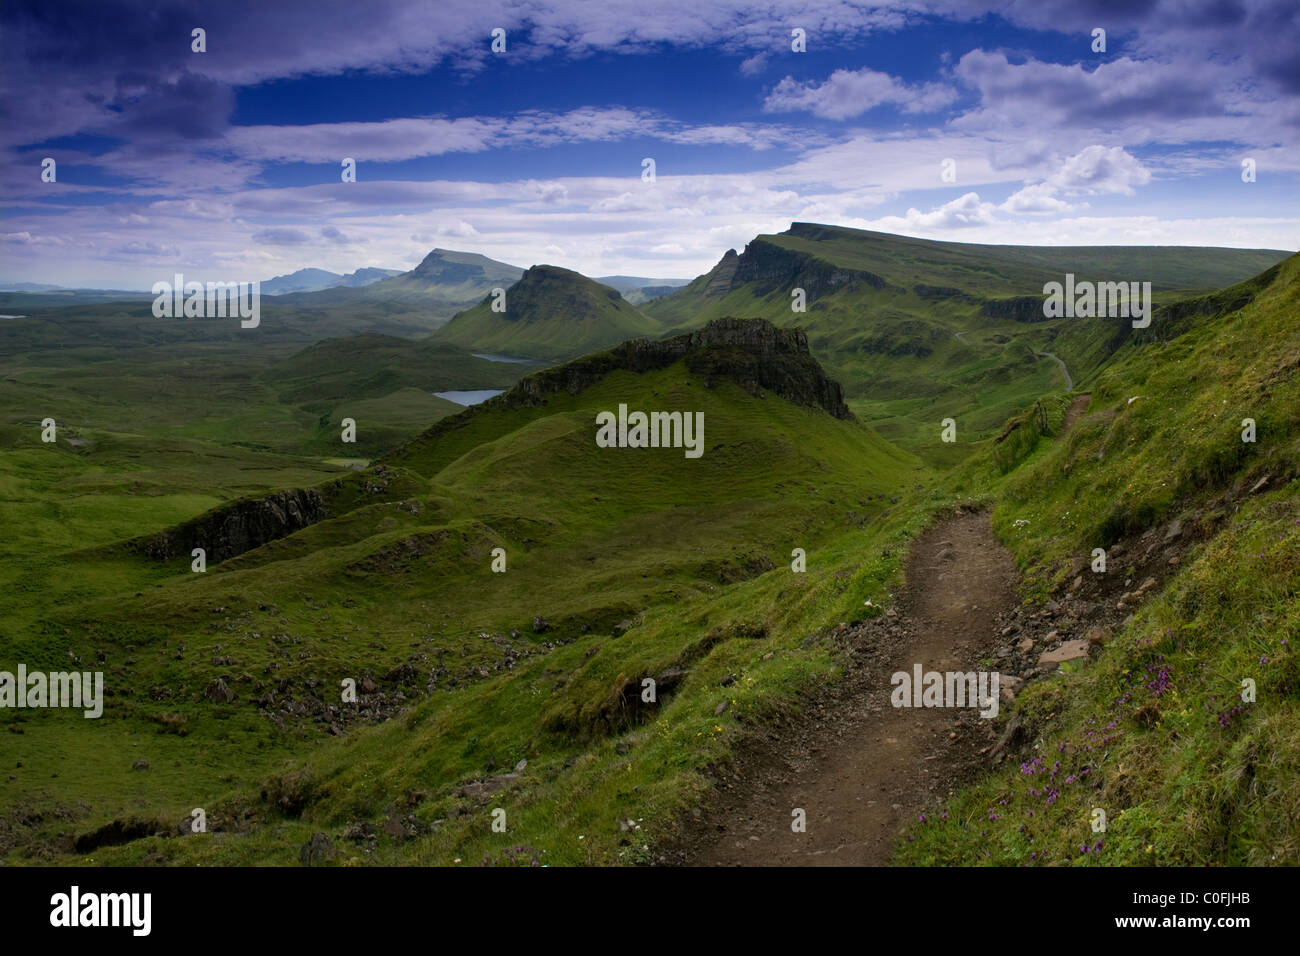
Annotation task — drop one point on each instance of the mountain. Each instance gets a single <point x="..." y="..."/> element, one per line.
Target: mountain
<point x="444" y="283"/>
<point x="919" y="330"/>
<point x="626" y="284"/>
<point x="368" y="275"/>
<point x="304" y="280"/>
<point x="314" y="280"/>
<point x="638" y="289"/>
<point x="550" y="313"/>
<point x="28" y="287"/>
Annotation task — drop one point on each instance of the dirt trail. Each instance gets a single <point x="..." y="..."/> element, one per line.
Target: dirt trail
<point x="1069" y="382"/>
<point x="860" y="768"/>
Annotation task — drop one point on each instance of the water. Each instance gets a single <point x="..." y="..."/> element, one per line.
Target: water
<point x="503" y="358"/>
<point x="470" y="397"/>
<point x="23" y="317"/>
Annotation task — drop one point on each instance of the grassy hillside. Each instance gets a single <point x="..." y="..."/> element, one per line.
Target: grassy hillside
<point x="522" y="690"/>
<point x="919" y="330"/>
<point x="551" y="314"/>
<point x="649" y="564"/>
<point x="1156" y="731"/>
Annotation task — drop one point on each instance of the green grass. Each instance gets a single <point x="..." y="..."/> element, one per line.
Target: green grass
<point x="1155" y="733"/>
<point x="915" y="346"/>
<point x="641" y="563"/>
<point x="550" y="314"/>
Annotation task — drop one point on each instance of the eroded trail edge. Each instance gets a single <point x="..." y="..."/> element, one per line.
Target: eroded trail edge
<point x="858" y="767"/>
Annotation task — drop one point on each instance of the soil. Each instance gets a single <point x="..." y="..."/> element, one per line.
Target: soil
<point x="860" y="768"/>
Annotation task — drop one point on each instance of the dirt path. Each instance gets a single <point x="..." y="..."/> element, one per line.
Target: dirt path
<point x="1077" y="407"/>
<point x="860" y="768"/>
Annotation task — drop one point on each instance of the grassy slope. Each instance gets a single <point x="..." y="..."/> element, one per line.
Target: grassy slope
<point x="908" y="360"/>
<point x="1184" y="786"/>
<point x="645" y="541"/>
<point x="550" y="314"/>
<point x="1186" y="772"/>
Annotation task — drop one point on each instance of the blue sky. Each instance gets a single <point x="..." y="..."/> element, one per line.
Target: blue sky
<point x="225" y="164"/>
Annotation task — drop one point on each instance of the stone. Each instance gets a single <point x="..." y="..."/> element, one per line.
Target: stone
<point x="319" y="849"/>
<point x="1008" y="687"/>
<point x="1068" y="651"/>
<point x="219" y="692"/>
<point x="1097" y="635"/>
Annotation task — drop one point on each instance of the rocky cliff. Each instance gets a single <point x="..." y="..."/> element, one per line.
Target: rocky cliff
<point x="237" y="527"/>
<point x="753" y="353"/>
<point x="769" y="267"/>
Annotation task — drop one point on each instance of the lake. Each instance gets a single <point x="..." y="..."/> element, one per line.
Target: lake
<point x="470" y="397"/>
<point x="504" y="358"/>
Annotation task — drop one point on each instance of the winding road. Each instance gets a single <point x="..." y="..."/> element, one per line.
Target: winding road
<point x="1069" y="382"/>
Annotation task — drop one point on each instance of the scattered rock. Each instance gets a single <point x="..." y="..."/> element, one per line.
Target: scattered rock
<point x="219" y="692"/>
<point x="1008" y="687"/>
<point x="140" y="765"/>
<point x="319" y="849"/>
<point x="1098" y="635"/>
<point x="1068" y="651"/>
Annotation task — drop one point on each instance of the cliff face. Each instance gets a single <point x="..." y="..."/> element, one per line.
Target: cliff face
<point x="1022" y="308"/>
<point x="772" y="268"/>
<point x="753" y="353"/>
<point x="721" y="279"/>
<point x="237" y="527"/>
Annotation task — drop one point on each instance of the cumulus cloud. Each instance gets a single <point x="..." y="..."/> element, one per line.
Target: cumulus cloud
<point x="1099" y="169"/>
<point x="1035" y="200"/>
<point x="850" y="93"/>
<point x="964" y="211"/>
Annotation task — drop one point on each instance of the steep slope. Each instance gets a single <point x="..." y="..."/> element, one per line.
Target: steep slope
<point x="550" y="313"/>
<point x="1179" y="720"/>
<point x="920" y="330"/>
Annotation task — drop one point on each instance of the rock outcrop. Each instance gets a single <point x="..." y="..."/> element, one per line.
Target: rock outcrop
<point x="1021" y="308"/>
<point x="753" y="353"/>
<point x="769" y="267"/>
<point x="234" y="528"/>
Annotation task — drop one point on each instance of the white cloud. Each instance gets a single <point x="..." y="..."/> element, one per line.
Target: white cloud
<point x="1098" y="169"/>
<point x="1035" y="199"/>
<point x="850" y="93"/>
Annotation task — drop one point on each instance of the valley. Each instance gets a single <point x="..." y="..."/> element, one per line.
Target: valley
<point x="499" y="585"/>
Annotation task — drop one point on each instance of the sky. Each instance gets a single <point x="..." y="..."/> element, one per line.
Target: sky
<point x="998" y="122"/>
